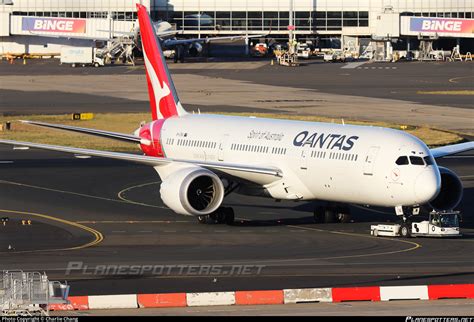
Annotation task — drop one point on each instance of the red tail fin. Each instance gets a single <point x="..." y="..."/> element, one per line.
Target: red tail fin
<point x="164" y="101"/>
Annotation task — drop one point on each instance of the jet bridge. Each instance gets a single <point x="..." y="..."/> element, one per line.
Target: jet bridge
<point x="29" y="293"/>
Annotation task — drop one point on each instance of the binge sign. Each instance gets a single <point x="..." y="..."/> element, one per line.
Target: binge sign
<point x="77" y="26"/>
<point x="442" y="25"/>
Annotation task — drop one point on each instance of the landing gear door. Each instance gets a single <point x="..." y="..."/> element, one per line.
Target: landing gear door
<point x="222" y="147"/>
<point x="370" y="160"/>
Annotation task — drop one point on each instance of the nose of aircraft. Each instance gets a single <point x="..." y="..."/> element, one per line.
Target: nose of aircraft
<point x="427" y="186"/>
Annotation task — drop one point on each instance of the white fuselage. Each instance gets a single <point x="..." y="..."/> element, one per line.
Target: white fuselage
<point x="324" y="161"/>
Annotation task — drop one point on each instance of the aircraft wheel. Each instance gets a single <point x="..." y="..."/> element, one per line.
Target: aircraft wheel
<point x="229" y="216"/>
<point x="203" y="219"/>
<point x="224" y="215"/>
<point x="343" y="214"/>
<point x="319" y="215"/>
<point x="405" y="231"/>
<point x="329" y="215"/>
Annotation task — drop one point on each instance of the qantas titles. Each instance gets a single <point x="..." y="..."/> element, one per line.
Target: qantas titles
<point x="325" y="141"/>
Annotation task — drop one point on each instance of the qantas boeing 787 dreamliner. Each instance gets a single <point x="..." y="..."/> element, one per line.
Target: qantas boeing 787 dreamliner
<point x="202" y="158"/>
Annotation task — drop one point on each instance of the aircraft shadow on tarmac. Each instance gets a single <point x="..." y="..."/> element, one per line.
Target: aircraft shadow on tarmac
<point x="359" y="214"/>
<point x="432" y="276"/>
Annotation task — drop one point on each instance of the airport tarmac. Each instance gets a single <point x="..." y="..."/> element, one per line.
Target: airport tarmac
<point x="396" y="92"/>
<point x="392" y="308"/>
<point x="104" y="212"/>
<point x="103" y="219"/>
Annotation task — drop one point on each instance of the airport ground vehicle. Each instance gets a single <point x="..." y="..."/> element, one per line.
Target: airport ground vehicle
<point x="438" y="224"/>
<point x="259" y="50"/>
<point x="303" y="51"/>
<point x="84" y="56"/>
<point x="334" y="56"/>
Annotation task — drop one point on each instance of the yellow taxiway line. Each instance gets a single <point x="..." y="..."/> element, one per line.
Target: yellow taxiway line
<point x="98" y="237"/>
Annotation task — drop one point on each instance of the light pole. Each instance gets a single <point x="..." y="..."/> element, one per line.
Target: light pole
<point x="291" y="28"/>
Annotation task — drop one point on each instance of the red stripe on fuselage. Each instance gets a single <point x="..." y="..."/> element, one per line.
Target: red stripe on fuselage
<point x="152" y="133"/>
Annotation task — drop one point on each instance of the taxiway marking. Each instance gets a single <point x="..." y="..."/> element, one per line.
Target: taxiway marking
<point x="98" y="237"/>
<point x="121" y="197"/>
<point x="130" y="221"/>
<point x="455" y="79"/>
<point x="414" y="245"/>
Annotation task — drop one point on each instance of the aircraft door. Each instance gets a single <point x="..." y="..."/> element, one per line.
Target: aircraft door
<point x="304" y="157"/>
<point x="222" y="147"/>
<point x="370" y="160"/>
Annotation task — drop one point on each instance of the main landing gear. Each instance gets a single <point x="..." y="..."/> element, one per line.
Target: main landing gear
<point x="332" y="214"/>
<point x="223" y="215"/>
<point x="179" y="54"/>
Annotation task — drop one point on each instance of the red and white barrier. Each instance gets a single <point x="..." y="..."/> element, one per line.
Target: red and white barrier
<point x="123" y="301"/>
<point x="389" y="293"/>
<point x="306" y="295"/>
<point x="161" y="300"/>
<point x="341" y="294"/>
<point x="287" y="296"/>
<point x="259" y="297"/>
<point x="211" y="298"/>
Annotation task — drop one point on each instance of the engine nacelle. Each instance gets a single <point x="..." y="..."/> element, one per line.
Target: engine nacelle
<point x="451" y="191"/>
<point x="192" y="191"/>
<point x="195" y="49"/>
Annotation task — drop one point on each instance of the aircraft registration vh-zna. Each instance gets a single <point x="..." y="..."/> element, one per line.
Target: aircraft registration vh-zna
<point x="202" y="158"/>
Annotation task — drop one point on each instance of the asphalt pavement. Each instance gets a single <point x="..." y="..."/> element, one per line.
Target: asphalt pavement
<point x="105" y="214"/>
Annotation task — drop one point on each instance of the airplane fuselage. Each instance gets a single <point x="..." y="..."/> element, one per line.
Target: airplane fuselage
<point x="324" y="161"/>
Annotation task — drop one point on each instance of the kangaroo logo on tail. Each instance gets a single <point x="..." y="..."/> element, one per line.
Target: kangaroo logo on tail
<point x="164" y="101"/>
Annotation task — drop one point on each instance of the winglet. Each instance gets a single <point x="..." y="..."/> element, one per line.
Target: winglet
<point x="164" y="101"/>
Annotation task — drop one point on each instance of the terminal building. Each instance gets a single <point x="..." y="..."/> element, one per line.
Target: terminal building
<point x="40" y="26"/>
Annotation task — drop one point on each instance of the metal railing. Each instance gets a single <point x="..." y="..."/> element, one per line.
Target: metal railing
<point x="29" y="293"/>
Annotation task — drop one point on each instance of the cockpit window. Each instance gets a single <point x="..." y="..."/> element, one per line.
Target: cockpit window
<point x="416" y="160"/>
<point x="402" y="160"/>
<point x="428" y="160"/>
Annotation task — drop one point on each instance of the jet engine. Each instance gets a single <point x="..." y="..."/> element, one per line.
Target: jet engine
<point x="192" y="191"/>
<point x="195" y="49"/>
<point x="451" y="191"/>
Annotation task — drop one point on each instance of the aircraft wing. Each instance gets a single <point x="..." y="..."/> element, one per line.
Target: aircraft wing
<point x="158" y="33"/>
<point x="452" y="149"/>
<point x="269" y="174"/>
<point x="175" y="42"/>
<point x="70" y="37"/>
<point x="106" y="134"/>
